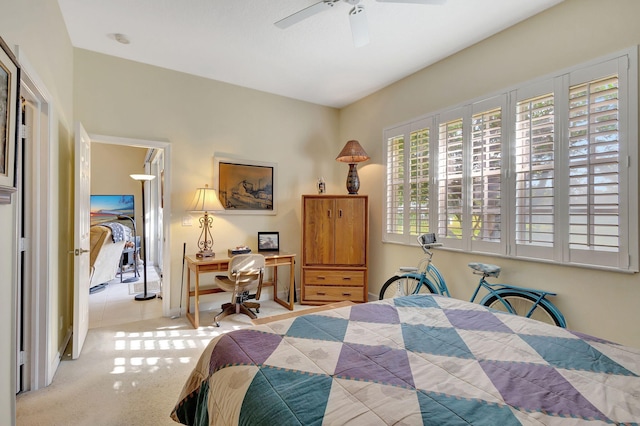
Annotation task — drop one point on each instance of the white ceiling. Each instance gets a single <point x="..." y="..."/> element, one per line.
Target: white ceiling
<point x="236" y="41"/>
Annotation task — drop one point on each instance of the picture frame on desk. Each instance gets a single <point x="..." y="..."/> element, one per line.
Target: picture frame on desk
<point x="9" y="128"/>
<point x="245" y="186"/>
<point x="268" y="241"/>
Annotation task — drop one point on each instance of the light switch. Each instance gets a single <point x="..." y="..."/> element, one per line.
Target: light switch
<point x="187" y="221"/>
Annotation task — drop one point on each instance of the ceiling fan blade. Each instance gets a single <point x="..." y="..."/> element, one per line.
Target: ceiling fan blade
<point x="359" y="26"/>
<point x="414" y="1"/>
<point x="305" y="13"/>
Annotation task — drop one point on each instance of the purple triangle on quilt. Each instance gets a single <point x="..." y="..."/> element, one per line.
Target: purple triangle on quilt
<point x="380" y="364"/>
<point x="385" y="314"/>
<point x="537" y="387"/>
<point x="243" y="347"/>
<point x="475" y="320"/>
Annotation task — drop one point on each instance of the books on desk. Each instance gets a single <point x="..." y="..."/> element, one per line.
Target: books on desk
<point x="239" y="250"/>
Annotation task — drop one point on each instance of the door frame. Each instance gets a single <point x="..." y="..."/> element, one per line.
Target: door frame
<point x="40" y="363"/>
<point x="166" y="207"/>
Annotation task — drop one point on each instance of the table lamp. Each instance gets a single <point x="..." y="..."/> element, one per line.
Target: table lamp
<point x="205" y="201"/>
<point x="352" y="153"/>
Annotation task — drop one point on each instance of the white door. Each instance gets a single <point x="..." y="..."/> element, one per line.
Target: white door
<point x="81" y="239"/>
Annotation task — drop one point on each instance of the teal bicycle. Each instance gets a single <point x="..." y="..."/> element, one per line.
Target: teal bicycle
<point x="425" y="279"/>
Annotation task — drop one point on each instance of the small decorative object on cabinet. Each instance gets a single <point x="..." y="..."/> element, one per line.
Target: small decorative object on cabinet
<point x="335" y="240"/>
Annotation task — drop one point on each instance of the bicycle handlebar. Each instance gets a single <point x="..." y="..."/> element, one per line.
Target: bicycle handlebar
<point x="432" y="245"/>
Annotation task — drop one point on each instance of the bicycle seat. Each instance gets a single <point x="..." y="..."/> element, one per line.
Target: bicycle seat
<point x="486" y="268"/>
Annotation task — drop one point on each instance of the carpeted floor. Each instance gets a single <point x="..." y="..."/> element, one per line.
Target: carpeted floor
<point x="128" y="374"/>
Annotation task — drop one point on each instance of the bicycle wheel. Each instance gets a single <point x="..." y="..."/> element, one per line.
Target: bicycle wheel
<point x="402" y="286"/>
<point x="521" y="303"/>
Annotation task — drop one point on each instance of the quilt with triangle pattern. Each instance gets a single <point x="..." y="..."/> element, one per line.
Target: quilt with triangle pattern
<point x="413" y="360"/>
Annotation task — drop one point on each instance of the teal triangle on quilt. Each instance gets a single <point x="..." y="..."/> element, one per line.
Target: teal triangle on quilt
<point x="318" y="327"/>
<point x="539" y="388"/>
<point x="434" y="340"/>
<point x="375" y="313"/>
<point x="441" y="409"/>
<point x="574" y="354"/>
<point x="379" y="364"/>
<point x="193" y="409"/>
<point x="416" y="300"/>
<point x="275" y="394"/>
<point x="243" y="347"/>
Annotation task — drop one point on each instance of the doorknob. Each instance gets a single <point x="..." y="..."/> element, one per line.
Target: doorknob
<point x="78" y="252"/>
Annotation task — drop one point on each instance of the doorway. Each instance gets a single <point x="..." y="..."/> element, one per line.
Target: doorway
<point x="157" y="162"/>
<point x="121" y="277"/>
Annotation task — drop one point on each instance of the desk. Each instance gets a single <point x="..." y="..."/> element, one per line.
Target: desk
<point x="220" y="263"/>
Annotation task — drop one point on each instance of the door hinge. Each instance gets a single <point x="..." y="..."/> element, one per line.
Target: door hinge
<point x="23" y="131"/>
<point x="23" y="244"/>
<point x="22" y="358"/>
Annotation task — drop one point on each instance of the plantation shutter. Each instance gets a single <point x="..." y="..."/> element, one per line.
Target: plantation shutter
<point x="395" y="185"/>
<point x="535" y="175"/>
<point x="419" y="182"/>
<point x="486" y="178"/>
<point x="450" y="182"/>
<point x="594" y="170"/>
<point x="407" y="157"/>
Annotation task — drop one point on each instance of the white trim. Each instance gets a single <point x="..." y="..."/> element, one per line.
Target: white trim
<point x="39" y="164"/>
<point x="166" y="222"/>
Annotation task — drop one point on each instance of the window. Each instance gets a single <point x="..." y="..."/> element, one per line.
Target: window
<point x="450" y="147"/>
<point x="408" y="162"/>
<point x="486" y="179"/>
<point x="534" y="173"/>
<point x="541" y="171"/>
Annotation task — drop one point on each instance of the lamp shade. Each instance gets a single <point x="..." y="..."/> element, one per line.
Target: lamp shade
<point x="142" y="177"/>
<point x="205" y="200"/>
<point x="352" y="153"/>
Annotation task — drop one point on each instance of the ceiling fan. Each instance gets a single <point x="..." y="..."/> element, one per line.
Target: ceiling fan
<point x="357" y="16"/>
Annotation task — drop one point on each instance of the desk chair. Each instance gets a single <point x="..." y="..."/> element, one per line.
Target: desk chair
<point x="245" y="273"/>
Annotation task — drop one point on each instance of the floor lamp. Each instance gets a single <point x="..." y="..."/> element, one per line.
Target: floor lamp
<point x="145" y="295"/>
<point x="121" y="216"/>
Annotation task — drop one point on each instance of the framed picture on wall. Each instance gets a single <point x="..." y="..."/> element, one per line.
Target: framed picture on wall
<point x="9" y="105"/>
<point x="245" y="186"/>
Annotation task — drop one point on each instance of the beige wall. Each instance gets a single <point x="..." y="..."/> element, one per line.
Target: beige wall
<point x="28" y="24"/>
<point x="200" y="117"/>
<point x="596" y="302"/>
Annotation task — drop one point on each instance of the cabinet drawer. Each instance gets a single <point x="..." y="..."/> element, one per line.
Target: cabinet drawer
<point x="331" y="277"/>
<point x="332" y="293"/>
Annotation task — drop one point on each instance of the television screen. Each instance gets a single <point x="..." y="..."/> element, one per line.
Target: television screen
<point x="106" y="208"/>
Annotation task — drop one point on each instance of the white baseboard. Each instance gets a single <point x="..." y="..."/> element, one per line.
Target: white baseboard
<point x="55" y="362"/>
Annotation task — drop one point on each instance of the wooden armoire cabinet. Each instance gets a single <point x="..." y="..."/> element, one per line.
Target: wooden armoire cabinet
<point x="335" y="240"/>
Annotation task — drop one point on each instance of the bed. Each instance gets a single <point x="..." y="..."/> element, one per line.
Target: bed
<point x="421" y="359"/>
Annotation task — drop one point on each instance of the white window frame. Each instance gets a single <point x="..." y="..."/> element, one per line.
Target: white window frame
<point x="625" y="65"/>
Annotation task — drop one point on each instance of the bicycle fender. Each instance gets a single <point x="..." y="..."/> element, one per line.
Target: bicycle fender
<point x="425" y="281"/>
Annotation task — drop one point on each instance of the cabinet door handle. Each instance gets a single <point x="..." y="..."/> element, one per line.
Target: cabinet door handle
<point x="346" y="294"/>
<point x="321" y="277"/>
<point x="321" y="293"/>
<point x="329" y="213"/>
<point x="346" y="278"/>
<point x="340" y="213"/>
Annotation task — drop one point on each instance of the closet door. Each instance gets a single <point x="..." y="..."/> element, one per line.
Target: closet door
<point x="350" y="231"/>
<point x="318" y="231"/>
